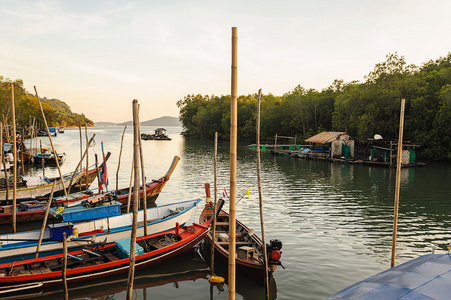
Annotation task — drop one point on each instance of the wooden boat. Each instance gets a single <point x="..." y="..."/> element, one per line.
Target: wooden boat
<point x="183" y="268"/>
<point x="101" y="261"/>
<point x="18" y="246"/>
<point x="35" y="187"/>
<point x="34" y="210"/>
<point x="48" y="157"/>
<point x="249" y="251"/>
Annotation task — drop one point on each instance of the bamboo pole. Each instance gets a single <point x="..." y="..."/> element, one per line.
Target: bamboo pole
<point x="131" y="272"/>
<point x="66" y="294"/>
<point x="87" y="157"/>
<point x="15" y="158"/>
<point x="119" y="162"/>
<point x="97" y="171"/>
<point x="212" y="253"/>
<point x="44" y="222"/>
<point x="260" y="196"/>
<point x="130" y="186"/>
<point x="51" y="143"/>
<point x="398" y="180"/>
<point x="42" y="159"/>
<point x="233" y="153"/>
<point x="81" y="140"/>
<point x="79" y="163"/>
<point x="4" y="164"/>
<point x="143" y="175"/>
<point x="22" y="151"/>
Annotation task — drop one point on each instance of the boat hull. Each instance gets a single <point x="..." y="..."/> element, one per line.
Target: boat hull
<point x="18" y="246"/>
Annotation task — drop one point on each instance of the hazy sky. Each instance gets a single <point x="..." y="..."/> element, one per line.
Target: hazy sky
<point x="97" y="56"/>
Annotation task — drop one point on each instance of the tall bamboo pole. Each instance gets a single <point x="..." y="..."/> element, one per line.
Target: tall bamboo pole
<point x="87" y="157"/>
<point x="15" y="158"/>
<point x="132" y="176"/>
<point x="44" y="222"/>
<point x="3" y="162"/>
<point x="66" y="294"/>
<point x="131" y="273"/>
<point x="233" y="153"/>
<point x="80" y="162"/>
<point x="81" y="142"/>
<point x="51" y="143"/>
<point x="398" y="180"/>
<point x="212" y="251"/>
<point x="260" y="196"/>
<point x="119" y="162"/>
<point x="22" y="151"/>
<point x="143" y="175"/>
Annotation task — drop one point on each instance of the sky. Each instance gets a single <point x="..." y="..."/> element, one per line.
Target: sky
<point x="97" y="56"/>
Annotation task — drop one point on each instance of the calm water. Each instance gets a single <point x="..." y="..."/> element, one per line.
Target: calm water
<point x="335" y="220"/>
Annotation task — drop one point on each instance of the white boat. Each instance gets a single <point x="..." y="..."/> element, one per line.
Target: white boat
<point x="35" y="187"/>
<point x="18" y="246"/>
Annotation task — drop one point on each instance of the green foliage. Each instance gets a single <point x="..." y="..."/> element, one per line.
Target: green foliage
<point x="57" y="113"/>
<point x="360" y="109"/>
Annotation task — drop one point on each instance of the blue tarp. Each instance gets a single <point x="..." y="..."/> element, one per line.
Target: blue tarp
<point x="81" y="213"/>
<point x="425" y="277"/>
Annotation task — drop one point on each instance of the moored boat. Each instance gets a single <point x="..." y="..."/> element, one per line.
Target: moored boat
<point x="100" y="261"/>
<point x="35" y="210"/>
<point x="18" y="246"/>
<point x="249" y="251"/>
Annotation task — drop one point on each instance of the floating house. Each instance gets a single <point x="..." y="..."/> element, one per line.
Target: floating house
<point x="386" y="151"/>
<point x="340" y="144"/>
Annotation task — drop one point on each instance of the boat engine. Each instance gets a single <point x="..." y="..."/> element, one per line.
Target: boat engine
<point x="273" y="250"/>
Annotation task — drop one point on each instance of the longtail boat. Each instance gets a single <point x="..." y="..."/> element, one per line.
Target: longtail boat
<point x="100" y="261"/>
<point x="249" y="250"/>
<point x="34" y="210"/>
<point x="17" y="246"/>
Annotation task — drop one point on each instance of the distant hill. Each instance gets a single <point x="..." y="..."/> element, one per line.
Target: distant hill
<point x="163" y="121"/>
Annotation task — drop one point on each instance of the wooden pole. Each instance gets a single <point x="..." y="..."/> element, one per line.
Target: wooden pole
<point x="97" y="171"/>
<point x="212" y="252"/>
<point x="119" y="162"/>
<point x="15" y="158"/>
<point x="143" y="175"/>
<point x="42" y="159"/>
<point x="22" y="151"/>
<point x="44" y="222"/>
<point x="260" y="196"/>
<point x="87" y="157"/>
<point x="51" y="143"/>
<point x="233" y="153"/>
<point x="81" y="140"/>
<point x="79" y="163"/>
<point x="4" y="164"/>
<point x="131" y="273"/>
<point x="398" y="180"/>
<point x="66" y="293"/>
<point x="130" y="186"/>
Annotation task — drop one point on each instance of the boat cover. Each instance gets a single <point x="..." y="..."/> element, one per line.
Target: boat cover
<point x="81" y="213"/>
<point x="425" y="277"/>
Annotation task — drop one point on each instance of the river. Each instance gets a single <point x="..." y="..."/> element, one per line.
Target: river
<point x="335" y="220"/>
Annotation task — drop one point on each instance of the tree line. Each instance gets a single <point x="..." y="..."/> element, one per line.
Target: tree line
<point x="57" y="113"/>
<point x="362" y="109"/>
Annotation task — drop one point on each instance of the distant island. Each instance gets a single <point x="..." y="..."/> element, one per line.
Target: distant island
<point x="162" y="121"/>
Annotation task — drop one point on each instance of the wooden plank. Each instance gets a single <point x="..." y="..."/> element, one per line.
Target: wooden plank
<point x="110" y="257"/>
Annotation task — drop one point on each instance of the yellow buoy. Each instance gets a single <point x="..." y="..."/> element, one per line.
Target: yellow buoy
<point x="216" y="279"/>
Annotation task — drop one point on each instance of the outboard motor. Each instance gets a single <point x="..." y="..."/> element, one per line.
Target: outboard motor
<point x="274" y="253"/>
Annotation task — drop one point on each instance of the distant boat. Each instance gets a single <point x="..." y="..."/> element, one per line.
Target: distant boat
<point x="159" y="135"/>
<point x="100" y="261"/>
